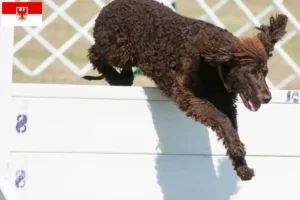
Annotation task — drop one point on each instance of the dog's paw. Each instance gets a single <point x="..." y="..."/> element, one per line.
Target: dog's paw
<point x="245" y="173"/>
<point x="237" y="150"/>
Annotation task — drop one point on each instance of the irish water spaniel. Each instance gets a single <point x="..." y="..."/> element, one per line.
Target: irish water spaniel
<point x="199" y="66"/>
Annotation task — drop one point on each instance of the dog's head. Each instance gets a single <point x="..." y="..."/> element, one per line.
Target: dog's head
<point x="247" y="74"/>
<point x="248" y="77"/>
<point x="243" y="68"/>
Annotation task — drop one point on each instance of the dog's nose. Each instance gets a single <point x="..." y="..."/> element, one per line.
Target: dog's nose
<point x="267" y="98"/>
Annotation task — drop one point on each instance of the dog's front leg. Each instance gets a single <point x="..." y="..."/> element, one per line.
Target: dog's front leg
<point x="206" y="113"/>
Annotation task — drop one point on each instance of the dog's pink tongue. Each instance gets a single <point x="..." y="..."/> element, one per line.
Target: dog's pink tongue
<point x="248" y="102"/>
<point x="251" y="106"/>
<point x="243" y="97"/>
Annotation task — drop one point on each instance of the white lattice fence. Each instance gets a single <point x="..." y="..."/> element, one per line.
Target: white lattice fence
<point x="286" y="73"/>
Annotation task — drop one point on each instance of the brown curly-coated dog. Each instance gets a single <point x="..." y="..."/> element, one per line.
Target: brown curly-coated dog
<point x="199" y="66"/>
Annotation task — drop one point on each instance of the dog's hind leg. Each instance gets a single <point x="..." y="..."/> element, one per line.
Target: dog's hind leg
<point x="112" y="76"/>
<point x="107" y="71"/>
<point x="127" y="76"/>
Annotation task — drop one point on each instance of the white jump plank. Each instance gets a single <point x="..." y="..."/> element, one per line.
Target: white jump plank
<point x="148" y="177"/>
<point x="63" y="91"/>
<point x="140" y="126"/>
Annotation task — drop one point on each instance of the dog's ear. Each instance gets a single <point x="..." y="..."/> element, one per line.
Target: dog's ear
<point x="270" y="34"/>
<point x="214" y="50"/>
<point x="216" y="56"/>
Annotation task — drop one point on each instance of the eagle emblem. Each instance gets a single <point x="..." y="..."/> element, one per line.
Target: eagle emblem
<point x="22" y="13"/>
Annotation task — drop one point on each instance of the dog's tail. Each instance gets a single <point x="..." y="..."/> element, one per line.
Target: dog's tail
<point x="93" y="78"/>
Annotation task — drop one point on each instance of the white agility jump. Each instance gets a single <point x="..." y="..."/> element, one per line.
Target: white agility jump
<point x="102" y="142"/>
<point x="117" y="143"/>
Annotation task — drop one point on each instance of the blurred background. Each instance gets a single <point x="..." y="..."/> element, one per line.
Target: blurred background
<point x="55" y="53"/>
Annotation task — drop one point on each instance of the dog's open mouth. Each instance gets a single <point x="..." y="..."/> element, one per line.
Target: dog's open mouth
<point x="248" y="103"/>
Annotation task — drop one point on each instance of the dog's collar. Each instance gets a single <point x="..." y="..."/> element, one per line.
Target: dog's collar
<point x="222" y="78"/>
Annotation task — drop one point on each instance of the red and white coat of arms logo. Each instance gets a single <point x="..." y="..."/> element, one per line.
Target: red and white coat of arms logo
<point x="22" y="13"/>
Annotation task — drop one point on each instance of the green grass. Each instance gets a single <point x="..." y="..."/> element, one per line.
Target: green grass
<point x="32" y="54"/>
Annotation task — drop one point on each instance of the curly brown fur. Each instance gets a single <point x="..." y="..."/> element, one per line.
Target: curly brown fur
<point x="201" y="67"/>
<point x="270" y="35"/>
